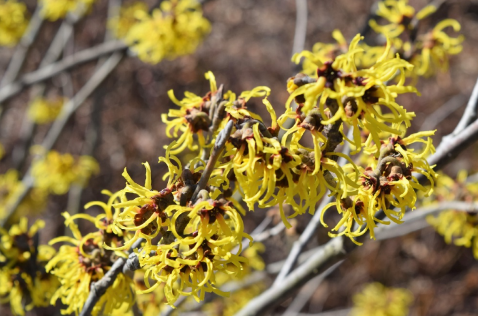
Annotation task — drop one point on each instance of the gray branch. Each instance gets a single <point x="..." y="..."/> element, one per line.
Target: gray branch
<point x="52" y="70"/>
<point x="221" y="140"/>
<point x="70" y="107"/>
<point x="121" y="265"/>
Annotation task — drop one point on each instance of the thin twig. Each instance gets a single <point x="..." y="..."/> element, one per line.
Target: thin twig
<point x="449" y="148"/>
<point x="97" y="289"/>
<point x="300" y="29"/>
<point x="303" y="296"/>
<point x="22" y="49"/>
<point x="69" y="108"/>
<point x="443" y="112"/>
<point x="323" y="260"/>
<point x="221" y="140"/>
<point x="52" y="70"/>
<point x="413" y="221"/>
<point x="27" y="131"/>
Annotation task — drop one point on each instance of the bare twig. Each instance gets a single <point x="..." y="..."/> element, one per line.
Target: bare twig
<point x="449" y="148"/>
<point x="221" y="140"/>
<point x="303" y="296"/>
<point x="470" y="114"/>
<point x="49" y="71"/>
<point x="300" y="26"/>
<point x="58" y="126"/>
<point x="443" y="112"/>
<point x="415" y="220"/>
<point x="19" y="153"/>
<point x="324" y="260"/>
<point x="97" y="289"/>
<point x="22" y="48"/>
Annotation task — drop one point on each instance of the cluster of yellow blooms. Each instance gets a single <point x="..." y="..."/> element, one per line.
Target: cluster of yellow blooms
<point x="58" y="9"/>
<point x="56" y="172"/>
<point x="427" y="52"/>
<point x="25" y="283"/>
<point x="175" y="29"/>
<point x="13" y="21"/>
<point x="377" y="300"/>
<point x="43" y="111"/>
<point x="192" y="229"/>
<point x="457" y="227"/>
<point x="11" y="188"/>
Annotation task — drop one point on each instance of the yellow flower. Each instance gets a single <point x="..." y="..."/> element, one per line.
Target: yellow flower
<point x="457" y="227"/>
<point x="127" y="18"/>
<point x="174" y="30"/>
<point x="193" y="118"/>
<point x="13" y="21"/>
<point x="10" y="189"/>
<point x="378" y="300"/>
<point x="356" y="97"/>
<point x="435" y="47"/>
<point x="56" y="172"/>
<point x="400" y="15"/>
<point x="22" y="268"/>
<point x="85" y="262"/>
<point x="42" y="111"/>
<point x="387" y="185"/>
<point x="58" y="9"/>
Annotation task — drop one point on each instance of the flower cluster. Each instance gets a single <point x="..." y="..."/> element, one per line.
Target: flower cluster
<point x="25" y="283"/>
<point x="427" y="51"/>
<point x="13" y="21"/>
<point x="58" y="9"/>
<point x="43" y="111"/>
<point x="377" y="300"/>
<point x="56" y="172"/>
<point x="11" y="188"/>
<point x="457" y="227"/>
<point x="127" y="18"/>
<point x="198" y="236"/>
<point x="86" y="261"/>
<point x="176" y="29"/>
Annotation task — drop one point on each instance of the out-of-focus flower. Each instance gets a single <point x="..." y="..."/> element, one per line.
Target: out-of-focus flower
<point x="13" y="21"/>
<point x="58" y="9"/>
<point x="11" y="188"/>
<point x="378" y="300"/>
<point x="435" y="47"/>
<point x="400" y="15"/>
<point x="84" y="262"/>
<point x="128" y="16"/>
<point x="42" y="111"/>
<point x="457" y="227"/>
<point x="174" y="30"/>
<point x="56" y="172"/>
<point x="25" y="284"/>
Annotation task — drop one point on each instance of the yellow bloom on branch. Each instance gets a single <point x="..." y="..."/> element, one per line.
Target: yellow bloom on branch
<point x="174" y="30"/>
<point x="56" y="172"/>
<point x="42" y="111"/>
<point x="13" y="21"/>
<point x="127" y="18"/>
<point x="84" y="262"/>
<point x="58" y="9"/>
<point x="378" y="300"/>
<point x="22" y="268"/>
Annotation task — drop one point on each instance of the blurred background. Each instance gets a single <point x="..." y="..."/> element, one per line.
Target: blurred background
<point x="250" y="45"/>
